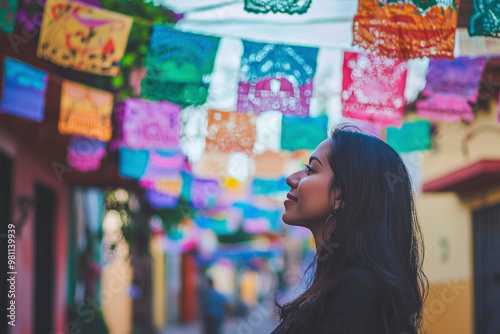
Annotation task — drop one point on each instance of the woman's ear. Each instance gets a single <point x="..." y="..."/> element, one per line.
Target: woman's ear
<point x="338" y="204"/>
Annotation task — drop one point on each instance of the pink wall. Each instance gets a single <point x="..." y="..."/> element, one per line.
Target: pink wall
<point x="27" y="170"/>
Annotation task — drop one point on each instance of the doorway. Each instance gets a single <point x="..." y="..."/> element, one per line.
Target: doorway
<point x="487" y="269"/>
<point x="5" y="207"/>
<point x="45" y="206"/>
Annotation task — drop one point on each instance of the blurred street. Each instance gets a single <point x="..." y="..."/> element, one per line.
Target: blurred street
<point x="239" y="326"/>
<point x="260" y="320"/>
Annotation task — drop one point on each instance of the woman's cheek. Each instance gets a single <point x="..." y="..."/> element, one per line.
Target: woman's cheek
<point x="308" y="197"/>
<point x="317" y="199"/>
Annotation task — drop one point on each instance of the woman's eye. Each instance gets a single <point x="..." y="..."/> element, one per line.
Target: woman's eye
<point x="309" y="169"/>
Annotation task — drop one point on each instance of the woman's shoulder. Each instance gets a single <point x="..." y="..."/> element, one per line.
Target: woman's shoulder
<point x="353" y="305"/>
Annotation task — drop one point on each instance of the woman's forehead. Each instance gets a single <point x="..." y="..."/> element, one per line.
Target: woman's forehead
<point x="322" y="150"/>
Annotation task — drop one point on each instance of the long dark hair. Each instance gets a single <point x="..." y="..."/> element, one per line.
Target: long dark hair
<point x="376" y="229"/>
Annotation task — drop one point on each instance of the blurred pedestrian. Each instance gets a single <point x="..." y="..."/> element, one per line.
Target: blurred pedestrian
<point x="214" y="306"/>
<point x="240" y="309"/>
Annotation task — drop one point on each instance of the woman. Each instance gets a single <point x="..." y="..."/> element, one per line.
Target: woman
<point x="355" y="197"/>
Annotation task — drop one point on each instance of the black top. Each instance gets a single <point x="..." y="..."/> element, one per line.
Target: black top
<point x="353" y="307"/>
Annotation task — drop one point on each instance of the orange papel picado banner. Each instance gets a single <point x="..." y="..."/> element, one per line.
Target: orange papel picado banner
<point x="85" y="111"/>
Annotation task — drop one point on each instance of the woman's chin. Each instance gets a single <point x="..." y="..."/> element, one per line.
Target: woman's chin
<point x="289" y="219"/>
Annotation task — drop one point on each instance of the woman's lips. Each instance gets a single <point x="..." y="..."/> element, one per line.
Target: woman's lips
<point x="290" y="199"/>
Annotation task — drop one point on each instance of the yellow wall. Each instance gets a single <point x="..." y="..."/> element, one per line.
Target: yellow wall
<point x="446" y="220"/>
<point x="447" y="154"/>
<point x="449" y="308"/>
<point x="159" y="283"/>
<point x="446" y="224"/>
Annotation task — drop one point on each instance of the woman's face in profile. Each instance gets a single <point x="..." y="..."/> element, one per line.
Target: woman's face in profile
<point x="308" y="202"/>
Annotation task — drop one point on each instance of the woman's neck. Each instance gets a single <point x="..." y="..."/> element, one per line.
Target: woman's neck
<point x="320" y="234"/>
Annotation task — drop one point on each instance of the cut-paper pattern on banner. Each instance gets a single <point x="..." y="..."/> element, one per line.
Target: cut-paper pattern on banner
<point x="452" y="86"/>
<point x="161" y="164"/>
<point x="277" y="6"/>
<point x="484" y="20"/>
<point x="276" y="77"/>
<point x="270" y="164"/>
<point x="83" y="37"/>
<point x="151" y="124"/>
<point x="406" y="30"/>
<point x="132" y="163"/>
<point x="373" y="88"/>
<point x="160" y="200"/>
<point x="212" y="164"/>
<point x="218" y="226"/>
<point x="24" y="89"/>
<point x="258" y="220"/>
<point x="85" y="111"/>
<point x="170" y="184"/>
<point x="230" y="132"/>
<point x="85" y="154"/>
<point x="204" y="193"/>
<point x="412" y="136"/>
<point x="179" y="66"/>
<point x="303" y="132"/>
<point x="269" y="186"/>
<point x="8" y="11"/>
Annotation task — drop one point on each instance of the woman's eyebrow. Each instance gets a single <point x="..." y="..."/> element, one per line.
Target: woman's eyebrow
<point x="315" y="158"/>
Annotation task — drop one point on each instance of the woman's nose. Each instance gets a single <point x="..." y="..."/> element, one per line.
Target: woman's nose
<point x="293" y="180"/>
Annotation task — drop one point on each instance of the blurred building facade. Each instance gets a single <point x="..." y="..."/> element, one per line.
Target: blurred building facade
<point x="460" y="216"/>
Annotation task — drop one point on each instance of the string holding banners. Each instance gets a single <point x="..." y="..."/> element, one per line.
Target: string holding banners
<point x="277" y="6"/>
